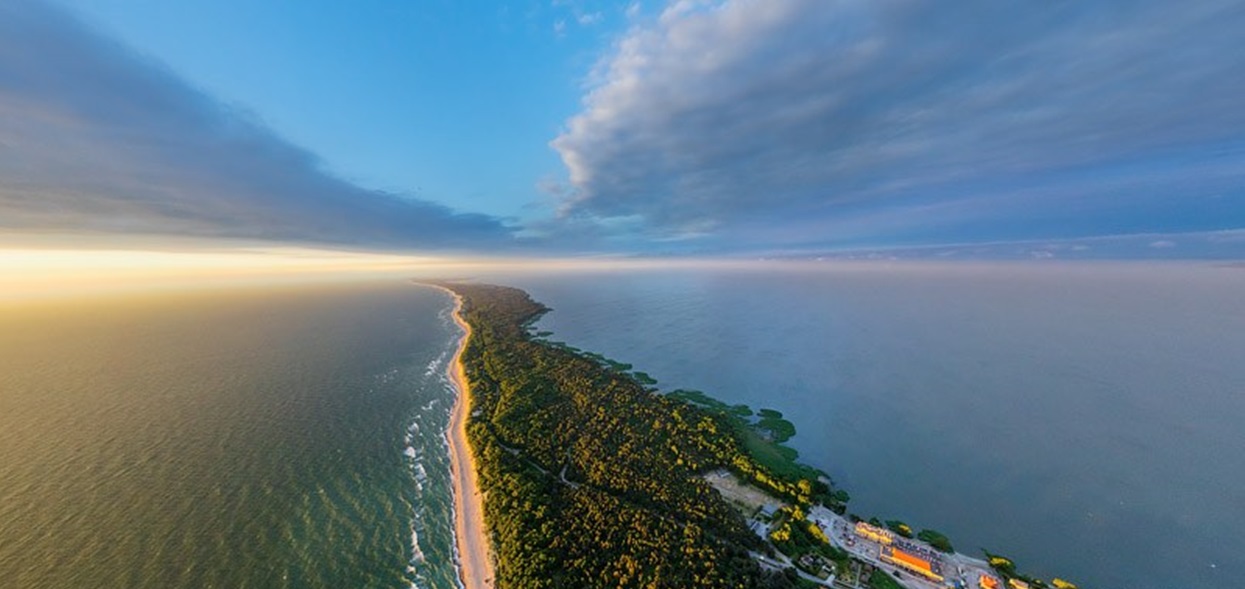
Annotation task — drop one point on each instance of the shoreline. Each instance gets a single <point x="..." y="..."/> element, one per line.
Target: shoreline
<point x="475" y="558"/>
<point x="814" y="538"/>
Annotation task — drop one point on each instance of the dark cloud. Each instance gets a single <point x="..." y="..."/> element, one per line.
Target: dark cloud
<point x="795" y="121"/>
<point x="94" y="138"/>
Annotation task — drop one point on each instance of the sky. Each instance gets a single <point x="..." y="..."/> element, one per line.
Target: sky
<point x="738" y="128"/>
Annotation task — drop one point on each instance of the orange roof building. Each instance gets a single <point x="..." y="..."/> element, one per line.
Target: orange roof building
<point x="909" y="562"/>
<point x="988" y="582"/>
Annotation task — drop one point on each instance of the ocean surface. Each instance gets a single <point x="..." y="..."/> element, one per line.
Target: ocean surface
<point x="288" y="437"/>
<point x="1086" y="420"/>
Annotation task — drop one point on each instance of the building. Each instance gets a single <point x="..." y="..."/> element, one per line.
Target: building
<point x="911" y="562"/>
<point x="1017" y="584"/>
<point x="869" y="532"/>
<point x="988" y="582"/>
<point x="812" y="562"/>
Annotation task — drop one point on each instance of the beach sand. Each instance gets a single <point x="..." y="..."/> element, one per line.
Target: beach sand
<point x="474" y="554"/>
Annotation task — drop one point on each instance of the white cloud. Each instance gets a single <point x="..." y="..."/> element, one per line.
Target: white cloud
<point x="94" y="139"/>
<point x="585" y="13"/>
<point x="732" y="113"/>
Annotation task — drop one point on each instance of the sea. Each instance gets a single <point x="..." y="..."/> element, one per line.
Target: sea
<point x="1085" y="420"/>
<point x="254" y="437"/>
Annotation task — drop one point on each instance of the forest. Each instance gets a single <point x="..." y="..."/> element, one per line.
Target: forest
<point x="592" y="479"/>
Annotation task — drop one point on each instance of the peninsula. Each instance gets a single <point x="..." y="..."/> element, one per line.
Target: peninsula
<point x="590" y="477"/>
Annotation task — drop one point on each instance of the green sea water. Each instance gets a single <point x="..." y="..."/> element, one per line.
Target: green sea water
<point x="287" y="437"/>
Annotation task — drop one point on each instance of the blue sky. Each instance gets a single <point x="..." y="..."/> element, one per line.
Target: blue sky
<point x="451" y="100"/>
<point x="705" y="127"/>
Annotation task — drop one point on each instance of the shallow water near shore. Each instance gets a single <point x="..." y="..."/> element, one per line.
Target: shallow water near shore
<point x="286" y="437"/>
<point x="1084" y="420"/>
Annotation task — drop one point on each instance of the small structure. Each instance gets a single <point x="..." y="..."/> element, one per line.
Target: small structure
<point x="871" y="532"/>
<point x="1017" y="584"/>
<point x="760" y="528"/>
<point x="911" y="562"/>
<point x="814" y="563"/>
<point x="988" y="582"/>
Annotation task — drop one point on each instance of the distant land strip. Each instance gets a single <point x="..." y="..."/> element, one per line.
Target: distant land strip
<point x="593" y="478"/>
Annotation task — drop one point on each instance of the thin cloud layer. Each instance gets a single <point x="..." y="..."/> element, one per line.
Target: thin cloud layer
<point x="96" y="139"/>
<point x="763" y="122"/>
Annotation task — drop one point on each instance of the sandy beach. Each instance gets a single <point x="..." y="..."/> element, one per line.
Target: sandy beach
<point x="474" y="555"/>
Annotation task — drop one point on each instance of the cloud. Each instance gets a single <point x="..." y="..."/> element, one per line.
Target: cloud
<point x="585" y="13"/>
<point x="769" y="121"/>
<point x="96" y="139"/>
<point x="1200" y="245"/>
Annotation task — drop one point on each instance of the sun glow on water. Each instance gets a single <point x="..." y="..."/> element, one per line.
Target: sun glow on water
<point x="43" y="272"/>
<point x="57" y="273"/>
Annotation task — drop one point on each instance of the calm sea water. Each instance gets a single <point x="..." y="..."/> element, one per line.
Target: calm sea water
<point x="279" y="438"/>
<point x="1087" y="420"/>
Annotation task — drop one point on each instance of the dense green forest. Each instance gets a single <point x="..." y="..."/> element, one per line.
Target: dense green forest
<point x="593" y="480"/>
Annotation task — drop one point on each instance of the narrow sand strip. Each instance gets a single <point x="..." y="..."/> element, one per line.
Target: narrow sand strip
<point x="474" y="555"/>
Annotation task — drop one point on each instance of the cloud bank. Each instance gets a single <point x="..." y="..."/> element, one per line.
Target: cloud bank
<point x="844" y="121"/>
<point x="96" y="139"/>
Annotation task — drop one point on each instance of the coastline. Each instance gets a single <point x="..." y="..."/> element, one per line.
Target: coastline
<point x="475" y="559"/>
<point x="807" y="536"/>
